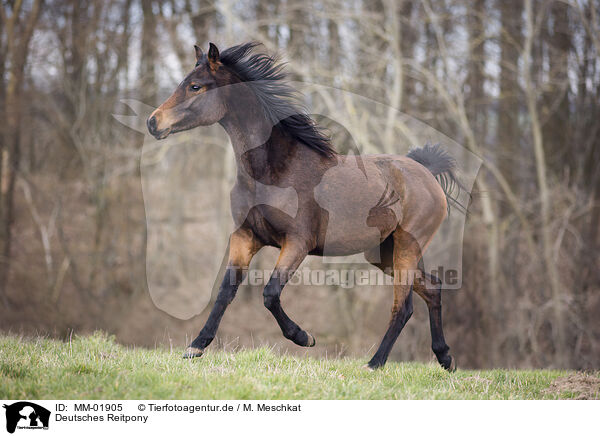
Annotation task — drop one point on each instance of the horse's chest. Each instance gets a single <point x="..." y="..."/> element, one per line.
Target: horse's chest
<point x="268" y="209"/>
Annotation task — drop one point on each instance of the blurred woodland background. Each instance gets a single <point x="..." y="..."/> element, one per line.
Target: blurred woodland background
<point x="515" y="81"/>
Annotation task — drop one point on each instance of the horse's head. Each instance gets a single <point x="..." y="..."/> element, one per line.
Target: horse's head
<point x="196" y="101"/>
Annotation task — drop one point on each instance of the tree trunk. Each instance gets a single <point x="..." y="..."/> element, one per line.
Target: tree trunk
<point x="19" y="29"/>
<point x="507" y="133"/>
<point x="149" y="54"/>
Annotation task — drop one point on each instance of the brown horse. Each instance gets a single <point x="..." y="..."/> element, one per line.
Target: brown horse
<point x="294" y="192"/>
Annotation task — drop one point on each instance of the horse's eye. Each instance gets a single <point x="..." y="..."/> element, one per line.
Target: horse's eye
<point x="195" y="87"/>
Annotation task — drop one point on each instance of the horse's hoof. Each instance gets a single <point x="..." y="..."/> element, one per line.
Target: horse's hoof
<point x="311" y="340"/>
<point x="452" y="366"/>
<point x="191" y="352"/>
<point x="367" y="367"/>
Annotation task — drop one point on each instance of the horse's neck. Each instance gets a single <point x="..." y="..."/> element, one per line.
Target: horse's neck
<point x="246" y="129"/>
<point x="251" y="136"/>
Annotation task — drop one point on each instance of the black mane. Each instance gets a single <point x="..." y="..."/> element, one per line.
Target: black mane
<point x="278" y="99"/>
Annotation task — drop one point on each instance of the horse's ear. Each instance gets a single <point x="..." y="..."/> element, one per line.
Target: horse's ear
<point x="199" y="53"/>
<point x="213" y="56"/>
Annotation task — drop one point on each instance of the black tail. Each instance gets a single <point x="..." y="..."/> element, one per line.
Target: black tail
<point x="443" y="167"/>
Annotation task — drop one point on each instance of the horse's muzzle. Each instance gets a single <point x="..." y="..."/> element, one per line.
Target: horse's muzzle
<point x="153" y="129"/>
<point x="151" y="123"/>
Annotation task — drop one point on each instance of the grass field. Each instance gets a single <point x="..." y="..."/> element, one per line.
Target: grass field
<point x="96" y="367"/>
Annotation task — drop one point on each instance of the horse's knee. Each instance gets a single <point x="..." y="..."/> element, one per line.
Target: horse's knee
<point x="228" y="288"/>
<point x="270" y="301"/>
<point x="270" y="296"/>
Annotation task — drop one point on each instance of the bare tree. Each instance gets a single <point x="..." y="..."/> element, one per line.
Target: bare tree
<point x="18" y="24"/>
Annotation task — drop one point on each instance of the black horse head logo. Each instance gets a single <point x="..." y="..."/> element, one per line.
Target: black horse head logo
<point x="26" y="415"/>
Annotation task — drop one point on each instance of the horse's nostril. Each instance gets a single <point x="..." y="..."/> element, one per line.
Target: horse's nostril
<point x="152" y="124"/>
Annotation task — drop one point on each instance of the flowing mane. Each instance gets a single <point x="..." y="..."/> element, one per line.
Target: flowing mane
<point x="277" y="98"/>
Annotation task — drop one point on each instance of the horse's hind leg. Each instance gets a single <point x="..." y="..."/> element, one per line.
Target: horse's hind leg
<point x="429" y="288"/>
<point x="406" y="255"/>
<point x="291" y="256"/>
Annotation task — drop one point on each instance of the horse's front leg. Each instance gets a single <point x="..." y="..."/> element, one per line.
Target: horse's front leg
<point x="292" y="254"/>
<point x="243" y="245"/>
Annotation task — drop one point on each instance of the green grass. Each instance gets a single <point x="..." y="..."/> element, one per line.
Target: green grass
<point x="97" y="367"/>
